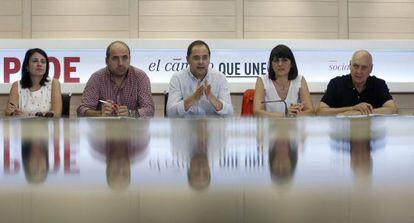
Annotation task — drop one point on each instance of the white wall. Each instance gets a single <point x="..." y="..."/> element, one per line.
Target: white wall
<point x="379" y="19"/>
<point x="217" y="19"/>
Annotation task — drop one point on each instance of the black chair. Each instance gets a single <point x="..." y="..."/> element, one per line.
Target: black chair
<point x="165" y="103"/>
<point x="66" y="105"/>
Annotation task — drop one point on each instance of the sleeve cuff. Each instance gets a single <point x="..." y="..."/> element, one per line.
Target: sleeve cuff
<point x="81" y="111"/>
<point x="180" y="109"/>
<point x="226" y="110"/>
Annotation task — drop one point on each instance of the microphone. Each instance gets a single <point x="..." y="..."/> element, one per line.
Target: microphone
<point x="283" y="101"/>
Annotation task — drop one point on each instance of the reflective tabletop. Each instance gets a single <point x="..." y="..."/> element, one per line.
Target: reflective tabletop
<point x="207" y="170"/>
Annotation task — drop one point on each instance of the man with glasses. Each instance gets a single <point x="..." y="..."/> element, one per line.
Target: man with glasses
<point x="119" y="89"/>
<point x="357" y="93"/>
<point x="199" y="91"/>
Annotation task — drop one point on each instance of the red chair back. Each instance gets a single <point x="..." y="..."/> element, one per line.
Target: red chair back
<point x="247" y="104"/>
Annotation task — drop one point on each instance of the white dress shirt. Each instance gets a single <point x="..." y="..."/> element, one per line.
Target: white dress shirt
<point x="183" y="84"/>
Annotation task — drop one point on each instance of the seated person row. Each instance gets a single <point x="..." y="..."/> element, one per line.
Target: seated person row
<point x="199" y="90"/>
<point x="122" y="87"/>
<point x="284" y="92"/>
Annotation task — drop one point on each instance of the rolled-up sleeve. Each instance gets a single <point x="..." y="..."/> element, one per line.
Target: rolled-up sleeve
<point x="225" y="99"/>
<point x="175" y="104"/>
<point x="90" y="96"/>
<point x="145" y="101"/>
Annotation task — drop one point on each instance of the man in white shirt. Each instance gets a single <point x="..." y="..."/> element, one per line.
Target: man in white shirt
<point x="198" y="90"/>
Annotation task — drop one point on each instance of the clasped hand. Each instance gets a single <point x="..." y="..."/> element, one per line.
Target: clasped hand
<point x="364" y="108"/>
<point x="111" y="109"/>
<point x="202" y="89"/>
<point x="295" y="109"/>
<point x="48" y="114"/>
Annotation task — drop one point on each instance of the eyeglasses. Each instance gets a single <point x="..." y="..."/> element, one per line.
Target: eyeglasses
<point x="280" y="60"/>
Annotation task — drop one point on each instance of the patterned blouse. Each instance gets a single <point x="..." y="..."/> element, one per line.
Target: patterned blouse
<point x="31" y="102"/>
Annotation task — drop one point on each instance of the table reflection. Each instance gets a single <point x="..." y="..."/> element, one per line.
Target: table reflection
<point x="283" y="157"/>
<point x="199" y="169"/>
<point x="283" y="151"/>
<point x="35" y="159"/>
<point x="243" y="169"/>
<point x="198" y="144"/>
<point x="119" y="144"/>
<point x="359" y="137"/>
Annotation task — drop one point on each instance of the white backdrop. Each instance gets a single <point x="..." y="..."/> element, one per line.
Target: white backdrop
<point x="73" y="61"/>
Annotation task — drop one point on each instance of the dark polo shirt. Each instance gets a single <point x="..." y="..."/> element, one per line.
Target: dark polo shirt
<point x="342" y="93"/>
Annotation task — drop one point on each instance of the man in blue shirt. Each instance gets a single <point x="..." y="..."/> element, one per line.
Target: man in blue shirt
<point x="357" y="93"/>
<point x="199" y="91"/>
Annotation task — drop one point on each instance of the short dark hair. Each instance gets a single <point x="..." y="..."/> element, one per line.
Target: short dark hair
<point x="26" y="81"/>
<point x="197" y="43"/>
<point x="282" y="51"/>
<point x="115" y="42"/>
<point x="278" y="177"/>
<point x="27" y="153"/>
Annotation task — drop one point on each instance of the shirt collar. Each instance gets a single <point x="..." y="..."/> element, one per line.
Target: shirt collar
<point x="194" y="78"/>
<point x="109" y="75"/>
<point x="348" y="81"/>
<point x="368" y="85"/>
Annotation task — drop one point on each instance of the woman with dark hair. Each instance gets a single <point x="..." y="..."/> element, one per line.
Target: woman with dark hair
<point x="36" y="93"/>
<point x="282" y="85"/>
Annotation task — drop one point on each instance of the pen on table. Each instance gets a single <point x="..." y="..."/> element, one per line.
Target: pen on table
<point x="105" y="102"/>
<point x="115" y="106"/>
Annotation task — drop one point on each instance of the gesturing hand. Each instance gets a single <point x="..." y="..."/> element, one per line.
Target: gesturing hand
<point x="199" y="92"/>
<point x="217" y="104"/>
<point x="207" y="91"/>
